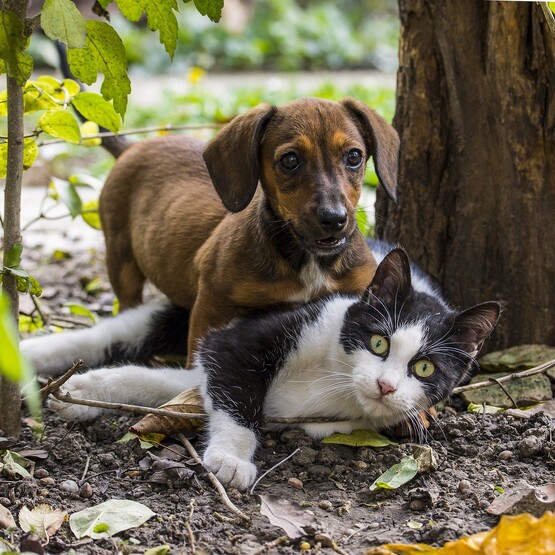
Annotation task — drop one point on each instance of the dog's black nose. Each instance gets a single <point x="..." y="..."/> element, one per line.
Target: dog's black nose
<point x="333" y="220"/>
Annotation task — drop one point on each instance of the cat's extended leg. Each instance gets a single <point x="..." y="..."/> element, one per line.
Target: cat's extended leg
<point x="129" y="384"/>
<point x="231" y="448"/>
<point x="132" y="336"/>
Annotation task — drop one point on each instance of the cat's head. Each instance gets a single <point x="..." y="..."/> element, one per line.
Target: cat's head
<point x="408" y="349"/>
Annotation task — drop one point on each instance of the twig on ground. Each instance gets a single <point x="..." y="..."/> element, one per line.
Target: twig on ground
<point x="251" y="491"/>
<point x="183" y="415"/>
<point x="496" y="380"/>
<point x="127" y="408"/>
<point x="215" y="482"/>
<point x="514" y="376"/>
<point x="188" y="526"/>
<point x="54" y="385"/>
<point x="86" y="469"/>
<point x="275" y="543"/>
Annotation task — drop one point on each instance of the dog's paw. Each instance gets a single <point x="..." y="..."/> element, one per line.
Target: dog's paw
<point x="229" y="469"/>
<point x="79" y="386"/>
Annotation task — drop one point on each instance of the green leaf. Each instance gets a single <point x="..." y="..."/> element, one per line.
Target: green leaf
<point x="68" y="194"/>
<point x="211" y="8"/>
<point x="551" y="6"/>
<point x="13" y="256"/>
<point x="61" y="20"/>
<point x="101" y="527"/>
<point x="104" y="52"/>
<point x="160" y="550"/>
<point x="12" y="364"/>
<point x="360" y="438"/>
<point x="38" y="96"/>
<point x="13" y="44"/>
<point x="12" y="464"/>
<point x="120" y="514"/>
<point x="61" y="124"/>
<point x="80" y="310"/>
<point x="30" y="153"/>
<point x="161" y="17"/>
<point x="362" y="221"/>
<point x="95" y="108"/>
<point x="484" y="409"/>
<point x="398" y="475"/>
<point x="90" y="214"/>
<point x="130" y="9"/>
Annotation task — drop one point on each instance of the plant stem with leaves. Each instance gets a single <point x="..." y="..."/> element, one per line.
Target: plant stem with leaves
<point x="10" y="398"/>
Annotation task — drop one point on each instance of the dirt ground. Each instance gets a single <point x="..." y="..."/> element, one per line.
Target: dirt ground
<point x="478" y="455"/>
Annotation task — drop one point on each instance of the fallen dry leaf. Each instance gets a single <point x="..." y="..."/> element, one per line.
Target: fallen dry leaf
<point x="547" y="408"/>
<point x="287" y="515"/>
<point x="188" y="401"/>
<point x="514" y="535"/>
<point x="43" y="520"/>
<point x="525" y="498"/>
<point x="6" y="519"/>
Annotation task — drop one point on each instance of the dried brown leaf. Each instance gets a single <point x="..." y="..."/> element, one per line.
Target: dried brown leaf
<point x="6" y="519"/>
<point x="188" y="401"/>
<point x="287" y="515"/>
<point x="524" y="498"/>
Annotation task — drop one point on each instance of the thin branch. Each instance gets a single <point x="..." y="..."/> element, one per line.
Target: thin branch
<point x="54" y="385"/>
<point x="126" y="408"/>
<point x="188" y="526"/>
<point x="515" y="376"/>
<point x="215" y="482"/>
<point x="182" y="415"/>
<point x="138" y="131"/>
<point x="513" y="402"/>
<point x="251" y="491"/>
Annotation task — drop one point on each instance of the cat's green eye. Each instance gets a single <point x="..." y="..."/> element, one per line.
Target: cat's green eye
<point x="423" y="368"/>
<point x="379" y="345"/>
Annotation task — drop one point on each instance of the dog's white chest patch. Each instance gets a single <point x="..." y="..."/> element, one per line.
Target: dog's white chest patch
<point x="313" y="280"/>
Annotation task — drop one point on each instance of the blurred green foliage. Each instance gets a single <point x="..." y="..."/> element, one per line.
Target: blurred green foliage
<point x="283" y="35"/>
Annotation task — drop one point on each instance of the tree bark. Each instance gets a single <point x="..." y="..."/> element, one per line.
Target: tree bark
<point x="476" y="117"/>
<point x="10" y="397"/>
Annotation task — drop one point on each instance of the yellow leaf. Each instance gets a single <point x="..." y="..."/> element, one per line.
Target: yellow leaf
<point x="90" y="128"/>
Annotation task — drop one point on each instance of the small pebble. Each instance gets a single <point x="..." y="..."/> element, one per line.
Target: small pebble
<point x="269" y="443"/>
<point x="305" y="546"/>
<point x="86" y="490"/>
<point x="5" y="501"/>
<point x="47" y="481"/>
<point x="325" y="505"/>
<point x="530" y="446"/>
<point x="417" y="505"/>
<point x="505" y="455"/>
<point x="70" y="486"/>
<point x="464" y="486"/>
<point x="133" y="473"/>
<point x="323" y="539"/>
<point x="360" y="465"/>
<point x="295" y="482"/>
<point x="41" y="473"/>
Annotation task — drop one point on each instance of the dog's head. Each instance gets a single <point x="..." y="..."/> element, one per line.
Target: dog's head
<point x="309" y="156"/>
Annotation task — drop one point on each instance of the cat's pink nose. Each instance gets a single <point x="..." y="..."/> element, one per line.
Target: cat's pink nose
<point x="386" y="388"/>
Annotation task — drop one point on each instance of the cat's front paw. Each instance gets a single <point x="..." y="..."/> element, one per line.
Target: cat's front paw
<point x="79" y="386"/>
<point x="229" y="469"/>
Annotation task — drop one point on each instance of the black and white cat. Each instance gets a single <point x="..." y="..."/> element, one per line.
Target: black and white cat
<point x="370" y="361"/>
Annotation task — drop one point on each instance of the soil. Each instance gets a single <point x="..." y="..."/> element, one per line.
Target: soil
<point x="478" y="456"/>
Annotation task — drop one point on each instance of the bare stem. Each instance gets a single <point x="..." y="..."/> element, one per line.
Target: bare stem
<point x="542" y="368"/>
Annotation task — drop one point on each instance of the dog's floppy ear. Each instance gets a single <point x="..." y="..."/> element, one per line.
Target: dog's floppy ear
<point x="232" y="157"/>
<point x="382" y="142"/>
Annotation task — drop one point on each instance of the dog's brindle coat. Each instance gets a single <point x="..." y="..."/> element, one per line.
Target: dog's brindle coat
<point x="289" y="178"/>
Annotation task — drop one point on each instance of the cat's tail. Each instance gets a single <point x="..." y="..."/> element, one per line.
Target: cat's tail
<point x="135" y="335"/>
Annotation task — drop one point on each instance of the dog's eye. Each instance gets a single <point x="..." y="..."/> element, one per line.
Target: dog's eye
<point x="354" y="158"/>
<point x="289" y="161"/>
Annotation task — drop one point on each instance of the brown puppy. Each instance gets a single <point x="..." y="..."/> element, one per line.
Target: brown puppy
<point x="289" y="179"/>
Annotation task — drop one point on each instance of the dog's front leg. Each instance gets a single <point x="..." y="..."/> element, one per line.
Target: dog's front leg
<point x="207" y="313"/>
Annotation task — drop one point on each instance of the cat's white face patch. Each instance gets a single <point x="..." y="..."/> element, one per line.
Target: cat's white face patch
<point x="372" y="375"/>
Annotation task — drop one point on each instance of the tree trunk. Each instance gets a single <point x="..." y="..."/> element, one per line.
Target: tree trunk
<point x="476" y="117"/>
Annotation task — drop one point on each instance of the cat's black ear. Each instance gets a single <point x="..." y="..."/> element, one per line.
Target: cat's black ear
<point x="473" y="326"/>
<point x="392" y="278"/>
